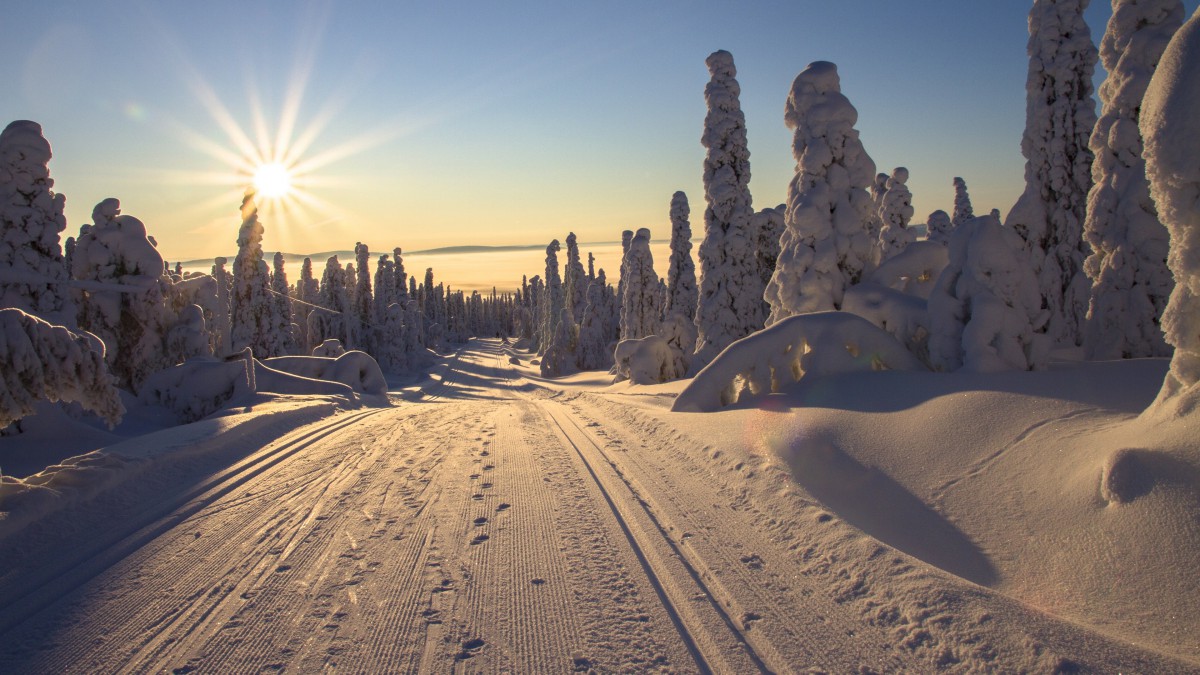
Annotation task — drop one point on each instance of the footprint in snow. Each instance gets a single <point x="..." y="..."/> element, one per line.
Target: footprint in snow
<point x="503" y="507"/>
<point x="480" y="521"/>
<point x="479" y="539"/>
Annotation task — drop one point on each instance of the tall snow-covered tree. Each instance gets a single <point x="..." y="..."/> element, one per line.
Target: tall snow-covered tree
<point x="1059" y="117"/>
<point x="728" y="307"/>
<point x="593" y="352"/>
<point x="333" y="320"/>
<point x="31" y="218"/>
<point x="574" y="282"/>
<point x="895" y="212"/>
<point x="1130" y="281"/>
<point x="1171" y="131"/>
<point x="768" y="227"/>
<point x="221" y="326"/>
<point x="626" y="238"/>
<point x="308" y="291"/>
<point x="560" y="356"/>
<point x="385" y="289"/>
<point x="827" y="244"/>
<point x="962" y="203"/>
<point x="401" y="276"/>
<point x="282" y="319"/>
<point x="642" y="304"/>
<point x="364" y="301"/>
<point x="552" y="300"/>
<point x="679" y="311"/>
<point x="250" y="303"/>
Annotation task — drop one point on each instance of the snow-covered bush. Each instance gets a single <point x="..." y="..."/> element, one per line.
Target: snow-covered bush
<point x="1171" y="129"/>
<point x="1059" y="117"/>
<point x="915" y="270"/>
<point x="1128" y="266"/>
<point x="32" y="275"/>
<point x="354" y="368"/>
<point x="820" y="343"/>
<point x="45" y="361"/>
<point x="648" y="360"/>
<point x="641" y="306"/>
<point x="895" y="212"/>
<point x="730" y="297"/>
<point x="828" y="243"/>
<point x="985" y="309"/>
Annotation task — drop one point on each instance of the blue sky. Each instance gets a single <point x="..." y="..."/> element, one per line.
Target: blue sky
<point x="494" y="123"/>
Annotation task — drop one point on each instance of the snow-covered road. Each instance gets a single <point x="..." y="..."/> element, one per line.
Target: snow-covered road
<point x="498" y="525"/>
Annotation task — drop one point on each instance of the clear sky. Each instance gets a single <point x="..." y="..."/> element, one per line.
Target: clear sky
<point x="436" y="124"/>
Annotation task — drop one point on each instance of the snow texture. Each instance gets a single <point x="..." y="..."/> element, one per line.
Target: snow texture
<point x="730" y="298"/>
<point x="985" y="308"/>
<point x="641" y="306"/>
<point x="828" y="244"/>
<point x="647" y="360"/>
<point x="895" y="212"/>
<point x="43" y="361"/>
<point x="1059" y="118"/>
<point x="1171" y="129"/>
<point x="820" y="343"/>
<point x="32" y="275"/>
<point x="1128" y="265"/>
<point x="679" y="312"/>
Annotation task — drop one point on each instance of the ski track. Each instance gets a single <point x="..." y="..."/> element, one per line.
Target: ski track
<point x="501" y="526"/>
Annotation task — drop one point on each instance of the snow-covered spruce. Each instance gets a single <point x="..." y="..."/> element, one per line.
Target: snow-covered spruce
<point x="1171" y="130"/>
<point x="962" y="203"/>
<point x="1128" y="265"/>
<point x="283" y="326"/>
<point x="32" y="274"/>
<point x="642" y="305"/>
<point x="574" y="280"/>
<point x="308" y="291"/>
<point x="895" y="212"/>
<point x="827" y="244"/>
<point x="551" y="298"/>
<point x="820" y="343"/>
<point x="768" y="226"/>
<point x="595" y="332"/>
<point x="250" y="306"/>
<point x="43" y="361"/>
<point x="332" y="319"/>
<point x="938" y="226"/>
<point x="559" y="357"/>
<point x="679" y="312"/>
<point x="221" y="328"/>
<point x="122" y="301"/>
<point x="985" y="308"/>
<point x="729" y="305"/>
<point x="1059" y="117"/>
<point x="363" y="298"/>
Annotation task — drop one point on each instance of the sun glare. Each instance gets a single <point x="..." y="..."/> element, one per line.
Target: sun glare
<point x="272" y="180"/>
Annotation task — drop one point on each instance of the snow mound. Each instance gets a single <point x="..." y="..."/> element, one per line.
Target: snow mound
<point x="915" y="269"/>
<point x="767" y="361"/>
<point x="354" y="368"/>
<point x="648" y="360"/>
<point x="198" y="387"/>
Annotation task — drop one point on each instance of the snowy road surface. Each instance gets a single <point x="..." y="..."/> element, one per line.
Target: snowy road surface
<point x="499" y="525"/>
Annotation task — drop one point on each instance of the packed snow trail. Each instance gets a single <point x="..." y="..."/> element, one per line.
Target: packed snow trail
<point x="502" y="524"/>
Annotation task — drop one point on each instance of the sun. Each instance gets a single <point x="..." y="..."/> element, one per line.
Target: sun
<point x="272" y="180"/>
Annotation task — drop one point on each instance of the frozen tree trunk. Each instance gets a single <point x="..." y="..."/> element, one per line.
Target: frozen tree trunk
<point x="1171" y="129"/>
<point x="962" y="203"/>
<point x="828" y="243"/>
<point x="32" y="275"/>
<point x="1059" y="117"/>
<point x="1128" y="266"/>
<point x="250" y="305"/>
<point x="641" y="305"/>
<point x="728" y="307"/>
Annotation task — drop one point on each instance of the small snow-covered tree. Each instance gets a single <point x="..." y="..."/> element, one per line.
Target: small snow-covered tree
<point x="1130" y="281"/>
<point x="281" y="317"/>
<point x="1171" y="131"/>
<point x="642" y="304"/>
<point x="985" y="304"/>
<point x="962" y="203"/>
<point x="250" y="307"/>
<point x="559" y="358"/>
<point x="938" y="226"/>
<point x="679" y="312"/>
<point x="895" y="213"/>
<point x="1059" y="117"/>
<point x="729" y="306"/>
<point x="32" y="275"/>
<point x="48" y="362"/>
<point x="827" y="244"/>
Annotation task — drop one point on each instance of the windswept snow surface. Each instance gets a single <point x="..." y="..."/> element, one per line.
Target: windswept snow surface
<point x="503" y="522"/>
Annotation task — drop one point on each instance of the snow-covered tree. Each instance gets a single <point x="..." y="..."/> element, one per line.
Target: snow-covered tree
<point x="364" y="301"/>
<point x="559" y="358"/>
<point x="552" y="300"/>
<point x="1059" y="117"/>
<point x="122" y="301"/>
<point x="250" y="306"/>
<point x="768" y="227"/>
<point x="43" y="361"/>
<point x="1128" y="271"/>
<point x="827" y="244"/>
<point x="221" y="327"/>
<point x="962" y="203"/>
<point x="626" y="238"/>
<point x="282" y="320"/>
<point x="679" y="312"/>
<point x="642" y="304"/>
<point x="938" y="226"/>
<point x="32" y="275"/>
<point x="1170" y="128"/>
<point x="728" y="307"/>
<point x="985" y="304"/>
<point x="574" y="282"/>
<point x="334" y="318"/>
<point x="895" y="212"/>
<point x="592" y="351"/>
<point x="401" y="276"/>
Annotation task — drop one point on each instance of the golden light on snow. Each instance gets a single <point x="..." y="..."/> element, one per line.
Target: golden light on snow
<point x="272" y="180"/>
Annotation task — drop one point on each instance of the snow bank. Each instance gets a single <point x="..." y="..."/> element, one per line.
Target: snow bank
<point x="354" y="368"/>
<point x="648" y="360"/>
<point x="44" y="361"/>
<point x="1171" y="129"/>
<point x="767" y="361"/>
<point x="199" y="387"/>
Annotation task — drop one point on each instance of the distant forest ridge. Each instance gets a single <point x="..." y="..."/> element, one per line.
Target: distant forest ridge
<point x="348" y="255"/>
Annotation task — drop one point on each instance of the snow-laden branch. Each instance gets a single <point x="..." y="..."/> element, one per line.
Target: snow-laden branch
<point x="765" y="362"/>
